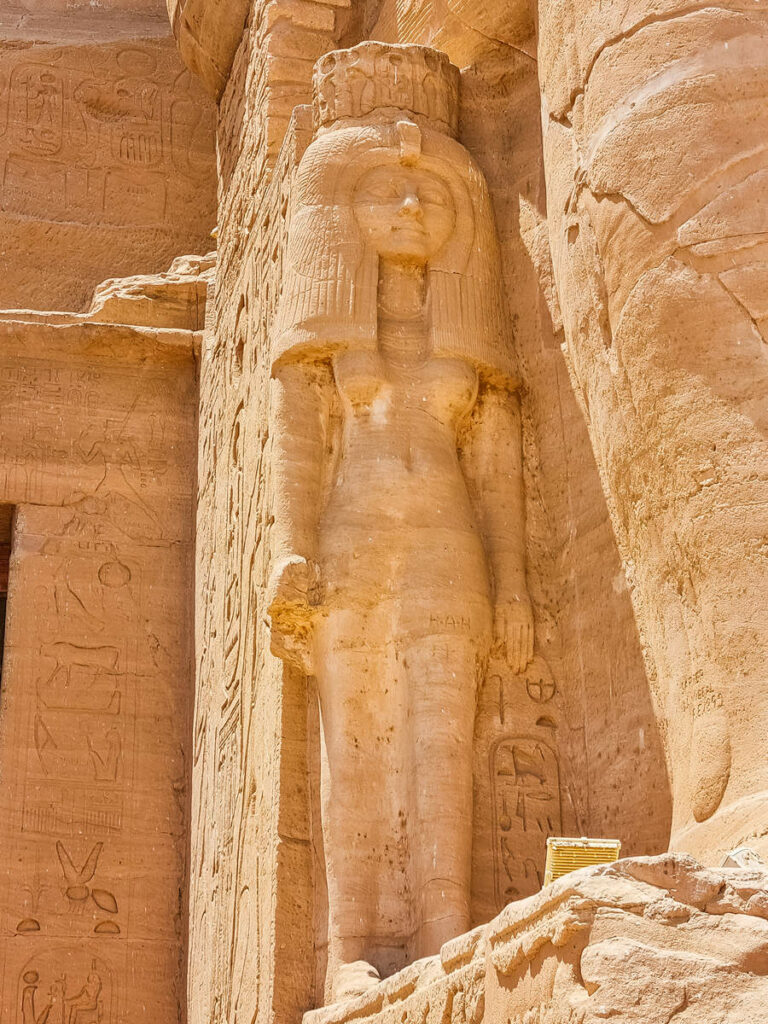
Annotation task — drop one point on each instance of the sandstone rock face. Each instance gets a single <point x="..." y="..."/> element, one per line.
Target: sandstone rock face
<point x="659" y="257"/>
<point x="106" y="151"/>
<point x="531" y="773"/>
<point x="208" y="35"/>
<point x="656" y="938"/>
<point x="173" y="299"/>
<point x="97" y="429"/>
<point x="209" y="32"/>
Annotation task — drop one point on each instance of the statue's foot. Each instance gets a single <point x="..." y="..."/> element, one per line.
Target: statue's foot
<point x="354" y="979"/>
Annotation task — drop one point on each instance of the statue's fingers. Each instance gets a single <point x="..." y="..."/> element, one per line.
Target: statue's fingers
<point x="519" y="649"/>
<point x="511" y="648"/>
<point x="528" y="644"/>
<point x="509" y="638"/>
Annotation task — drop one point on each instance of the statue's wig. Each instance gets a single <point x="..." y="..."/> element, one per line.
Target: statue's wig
<point x="329" y="297"/>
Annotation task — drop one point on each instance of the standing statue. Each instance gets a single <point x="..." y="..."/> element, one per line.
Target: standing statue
<point x="399" y="533"/>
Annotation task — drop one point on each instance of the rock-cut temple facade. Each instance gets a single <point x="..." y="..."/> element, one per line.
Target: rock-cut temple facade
<point x="383" y="493"/>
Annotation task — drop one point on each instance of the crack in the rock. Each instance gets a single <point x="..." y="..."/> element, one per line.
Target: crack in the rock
<point x="682" y="1005"/>
<point x="687" y="258"/>
<point x="737" y="301"/>
<point x="564" y="118"/>
<point x="750" y="241"/>
<point x="619" y="197"/>
<point x="494" y="39"/>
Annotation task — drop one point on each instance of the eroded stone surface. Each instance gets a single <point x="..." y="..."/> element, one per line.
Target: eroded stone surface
<point x="658" y="257"/>
<point x="641" y="940"/>
<point x="106" y="151"/>
<point x="555" y="747"/>
<point x="97" y="427"/>
<point x="174" y="299"/>
<point x="647" y="185"/>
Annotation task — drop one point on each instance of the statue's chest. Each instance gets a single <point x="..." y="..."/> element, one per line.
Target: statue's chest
<point x="443" y="388"/>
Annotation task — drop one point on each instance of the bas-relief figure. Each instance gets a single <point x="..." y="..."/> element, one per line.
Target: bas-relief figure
<point x="399" y="516"/>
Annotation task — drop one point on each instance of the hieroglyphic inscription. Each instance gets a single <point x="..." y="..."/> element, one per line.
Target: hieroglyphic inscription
<point x="37" y="108"/>
<point x="66" y="986"/>
<point x="521" y="772"/>
<point x="526" y="809"/>
<point x="61" y="394"/>
<point x="81" y="757"/>
<point x="232" y="760"/>
<point x="99" y="458"/>
<point x="233" y="617"/>
<point x="99" y="146"/>
<point x="99" y="141"/>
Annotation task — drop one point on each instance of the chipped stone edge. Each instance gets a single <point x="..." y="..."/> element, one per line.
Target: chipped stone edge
<point x="669" y="885"/>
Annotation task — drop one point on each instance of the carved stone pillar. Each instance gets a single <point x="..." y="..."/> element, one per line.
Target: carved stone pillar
<point x="97" y="426"/>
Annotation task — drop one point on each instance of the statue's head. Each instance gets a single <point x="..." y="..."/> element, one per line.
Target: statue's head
<point x="385" y="179"/>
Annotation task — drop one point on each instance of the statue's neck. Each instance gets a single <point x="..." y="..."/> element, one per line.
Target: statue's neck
<point x="402" y="290"/>
<point x="402" y="327"/>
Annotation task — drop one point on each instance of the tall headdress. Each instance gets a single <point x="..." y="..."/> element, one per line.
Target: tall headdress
<point x="373" y="105"/>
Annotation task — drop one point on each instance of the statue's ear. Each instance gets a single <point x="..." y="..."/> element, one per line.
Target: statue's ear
<point x="535" y="235"/>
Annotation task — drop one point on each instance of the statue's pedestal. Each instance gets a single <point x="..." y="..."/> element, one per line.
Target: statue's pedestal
<point x="643" y="940"/>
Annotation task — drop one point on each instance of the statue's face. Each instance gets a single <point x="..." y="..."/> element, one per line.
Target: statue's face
<point x="406" y="213"/>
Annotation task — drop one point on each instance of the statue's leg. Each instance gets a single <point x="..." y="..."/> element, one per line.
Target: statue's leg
<point x="656" y="159"/>
<point x="443" y="673"/>
<point x="364" y="790"/>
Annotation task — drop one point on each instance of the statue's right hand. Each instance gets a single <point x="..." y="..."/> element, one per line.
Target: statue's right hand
<point x="290" y="611"/>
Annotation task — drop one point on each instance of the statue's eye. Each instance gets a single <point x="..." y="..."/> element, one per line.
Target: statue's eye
<point x="433" y="196"/>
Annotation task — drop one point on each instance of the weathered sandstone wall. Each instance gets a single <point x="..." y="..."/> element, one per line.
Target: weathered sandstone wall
<point x="97" y="433"/>
<point x="644" y="473"/>
<point x="646" y="939"/>
<point x="107" y="162"/>
<point x="654" y="149"/>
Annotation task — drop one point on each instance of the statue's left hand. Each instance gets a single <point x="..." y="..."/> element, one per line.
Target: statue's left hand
<point x="513" y="631"/>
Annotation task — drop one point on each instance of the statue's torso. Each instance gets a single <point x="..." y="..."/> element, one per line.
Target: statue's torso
<point x="399" y="514"/>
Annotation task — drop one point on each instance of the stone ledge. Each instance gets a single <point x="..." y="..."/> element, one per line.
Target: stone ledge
<point x="620" y="940"/>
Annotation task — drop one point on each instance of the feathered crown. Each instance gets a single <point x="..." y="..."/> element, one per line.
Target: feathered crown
<point x="371" y="81"/>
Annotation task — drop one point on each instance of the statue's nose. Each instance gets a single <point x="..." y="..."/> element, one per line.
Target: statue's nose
<point x="411" y="206"/>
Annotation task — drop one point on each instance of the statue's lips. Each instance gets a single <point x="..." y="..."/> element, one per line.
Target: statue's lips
<point x="412" y="231"/>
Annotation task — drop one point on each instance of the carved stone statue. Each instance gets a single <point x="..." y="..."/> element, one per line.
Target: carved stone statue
<point x="399" y="555"/>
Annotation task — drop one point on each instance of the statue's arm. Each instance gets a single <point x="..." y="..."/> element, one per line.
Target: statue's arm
<point x="492" y="457"/>
<point x="299" y="417"/>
